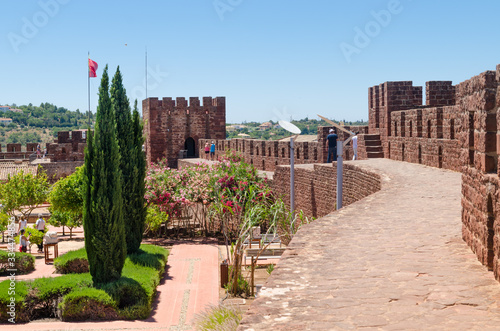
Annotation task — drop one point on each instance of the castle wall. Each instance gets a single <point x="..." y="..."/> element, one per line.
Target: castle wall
<point x="316" y="186"/>
<point x="174" y="125"/>
<point x="480" y="104"/>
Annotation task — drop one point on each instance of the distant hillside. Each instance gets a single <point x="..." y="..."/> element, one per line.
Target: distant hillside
<point x="253" y="129"/>
<point x="40" y="123"/>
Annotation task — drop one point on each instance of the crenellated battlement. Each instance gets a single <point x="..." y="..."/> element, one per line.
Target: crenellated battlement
<point x="182" y="103"/>
<point x="175" y="125"/>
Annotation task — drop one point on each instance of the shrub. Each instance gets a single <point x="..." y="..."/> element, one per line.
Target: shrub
<point x="47" y="293"/>
<point x="72" y="297"/>
<point x="222" y="317"/>
<point x="19" y="292"/>
<point x="23" y="263"/>
<point x="72" y="262"/>
<point x="88" y="304"/>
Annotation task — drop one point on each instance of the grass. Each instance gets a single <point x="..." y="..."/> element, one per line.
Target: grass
<point x="222" y="317"/>
<point x="72" y="262"/>
<point x="130" y="297"/>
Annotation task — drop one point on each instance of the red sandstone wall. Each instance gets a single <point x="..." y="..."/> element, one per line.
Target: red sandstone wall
<point x="316" y="186"/>
<point x="480" y="104"/>
<point x="172" y="125"/>
<point x="58" y="170"/>
<point x="267" y="155"/>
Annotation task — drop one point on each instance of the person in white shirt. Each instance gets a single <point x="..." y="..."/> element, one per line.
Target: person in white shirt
<point x="40" y="226"/>
<point x="23" y="224"/>
<point x="355" y="146"/>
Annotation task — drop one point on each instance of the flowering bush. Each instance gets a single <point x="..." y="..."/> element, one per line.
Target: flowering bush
<point x="221" y="188"/>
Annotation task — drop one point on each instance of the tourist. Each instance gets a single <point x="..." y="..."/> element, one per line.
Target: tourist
<point x="212" y="151"/>
<point x="44" y="152"/>
<point x="23" y="224"/>
<point x="207" y="150"/>
<point x="355" y="146"/>
<point x="38" y="151"/>
<point x="40" y="226"/>
<point x="23" y="241"/>
<point x="332" y="146"/>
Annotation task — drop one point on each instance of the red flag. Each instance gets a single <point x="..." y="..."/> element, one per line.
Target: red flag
<point x="92" y="68"/>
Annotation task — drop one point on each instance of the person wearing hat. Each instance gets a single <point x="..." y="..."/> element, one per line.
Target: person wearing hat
<point x="40" y="226"/>
<point x="332" y="146"/>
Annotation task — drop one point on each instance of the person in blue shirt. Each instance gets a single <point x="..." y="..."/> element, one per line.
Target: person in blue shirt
<point x="332" y="146"/>
<point x="212" y="151"/>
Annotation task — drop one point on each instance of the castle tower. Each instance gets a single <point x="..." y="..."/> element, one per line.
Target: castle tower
<point x="172" y="126"/>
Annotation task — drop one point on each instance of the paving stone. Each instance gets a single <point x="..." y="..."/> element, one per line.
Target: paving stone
<point x="398" y="253"/>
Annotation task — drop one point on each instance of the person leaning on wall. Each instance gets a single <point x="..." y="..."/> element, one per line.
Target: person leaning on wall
<point x="331" y="146"/>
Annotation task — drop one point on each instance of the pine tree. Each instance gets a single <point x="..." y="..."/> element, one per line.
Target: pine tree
<point x="103" y="218"/>
<point x="121" y="110"/>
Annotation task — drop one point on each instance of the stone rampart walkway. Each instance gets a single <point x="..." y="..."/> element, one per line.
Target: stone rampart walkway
<point x="392" y="261"/>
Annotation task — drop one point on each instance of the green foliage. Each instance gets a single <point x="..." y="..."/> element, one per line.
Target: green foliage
<point x="155" y="218"/>
<point x="67" y="193"/>
<point x="45" y="116"/>
<point x="22" y="262"/>
<point x="137" y="218"/>
<point x="50" y="288"/>
<point x="66" y="198"/>
<point x="129" y="297"/>
<point x="222" y="317"/>
<point x="23" y="192"/>
<point x="129" y="164"/>
<point x="19" y="293"/>
<point x="72" y="262"/>
<point x="88" y="303"/>
<point x="4" y="221"/>
<point x="34" y="236"/>
<point x="23" y="138"/>
<point x="103" y="204"/>
<point x="270" y="268"/>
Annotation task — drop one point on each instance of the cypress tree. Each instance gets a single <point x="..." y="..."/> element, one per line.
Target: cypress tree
<point x="124" y="129"/>
<point x="137" y="203"/>
<point x="103" y="218"/>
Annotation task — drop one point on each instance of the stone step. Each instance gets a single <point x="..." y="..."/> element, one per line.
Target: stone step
<point x="375" y="155"/>
<point x="372" y="137"/>
<point x="374" y="149"/>
<point x="373" y="143"/>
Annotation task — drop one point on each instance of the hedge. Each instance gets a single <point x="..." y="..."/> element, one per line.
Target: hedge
<point x="23" y="263"/>
<point x="72" y="297"/>
<point x="72" y="262"/>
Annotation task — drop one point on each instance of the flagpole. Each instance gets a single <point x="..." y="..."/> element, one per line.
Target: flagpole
<point x="88" y="78"/>
<point x="146" y="72"/>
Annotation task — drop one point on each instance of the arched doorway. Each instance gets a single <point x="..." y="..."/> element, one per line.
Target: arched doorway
<point x="189" y="146"/>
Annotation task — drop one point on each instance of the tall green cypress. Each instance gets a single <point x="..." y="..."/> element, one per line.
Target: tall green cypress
<point x="138" y="206"/>
<point x="121" y="110"/>
<point x="102" y="214"/>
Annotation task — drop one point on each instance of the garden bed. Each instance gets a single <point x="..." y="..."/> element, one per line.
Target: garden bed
<point x="72" y="297"/>
<point x="23" y="263"/>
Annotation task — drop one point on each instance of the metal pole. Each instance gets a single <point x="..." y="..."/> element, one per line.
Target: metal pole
<point x="88" y="78"/>
<point x="292" y="175"/>
<point x="339" y="173"/>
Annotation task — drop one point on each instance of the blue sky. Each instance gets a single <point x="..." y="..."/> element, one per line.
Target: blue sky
<point x="271" y="59"/>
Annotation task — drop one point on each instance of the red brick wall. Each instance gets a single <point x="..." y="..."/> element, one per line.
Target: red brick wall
<point x="316" y="186"/>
